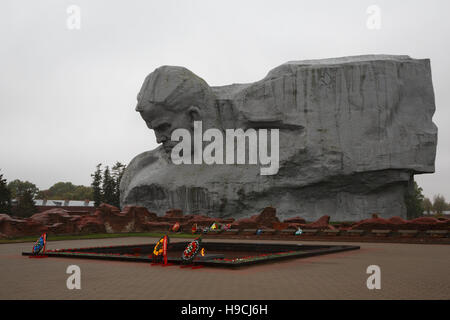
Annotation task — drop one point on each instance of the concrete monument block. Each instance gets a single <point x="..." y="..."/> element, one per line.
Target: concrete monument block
<point x="353" y="132"/>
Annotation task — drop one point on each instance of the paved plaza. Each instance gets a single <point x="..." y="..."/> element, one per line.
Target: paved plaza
<point x="408" y="271"/>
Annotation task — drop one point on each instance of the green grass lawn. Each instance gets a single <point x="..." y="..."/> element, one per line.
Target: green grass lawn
<point x="98" y="236"/>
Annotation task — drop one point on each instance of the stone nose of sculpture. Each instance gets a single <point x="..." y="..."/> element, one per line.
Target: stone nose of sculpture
<point x="139" y="108"/>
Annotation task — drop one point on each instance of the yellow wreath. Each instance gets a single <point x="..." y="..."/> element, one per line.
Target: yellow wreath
<point x="159" y="247"/>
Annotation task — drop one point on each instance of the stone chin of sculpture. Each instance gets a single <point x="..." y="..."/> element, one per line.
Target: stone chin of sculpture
<point x="353" y="132"/>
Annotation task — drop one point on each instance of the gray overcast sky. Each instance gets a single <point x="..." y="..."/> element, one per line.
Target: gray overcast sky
<point x="67" y="97"/>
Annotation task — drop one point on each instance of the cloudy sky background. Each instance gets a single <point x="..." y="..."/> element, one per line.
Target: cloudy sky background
<point x="67" y="97"/>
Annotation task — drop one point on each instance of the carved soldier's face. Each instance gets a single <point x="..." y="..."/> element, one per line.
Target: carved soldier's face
<point x="164" y="121"/>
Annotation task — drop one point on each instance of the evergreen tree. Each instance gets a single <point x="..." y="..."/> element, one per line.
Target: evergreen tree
<point x="108" y="187"/>
<point x="106" y="184"/>
<point x="117" y="172"/>
<point x="5" y="196"/>
<point x="414" y="202"/>
<point x="96" y="185"/>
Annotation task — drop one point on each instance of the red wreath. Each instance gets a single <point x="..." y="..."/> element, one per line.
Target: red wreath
<point x="192" y="249"/>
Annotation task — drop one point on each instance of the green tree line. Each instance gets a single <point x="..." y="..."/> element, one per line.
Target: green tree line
<point x="66" y="191"/>
<point x="417" y="204"/>
<point x="437" y="206"/>
<point x="104" y="188"/>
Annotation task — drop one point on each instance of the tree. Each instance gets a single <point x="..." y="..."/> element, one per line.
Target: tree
<point x="25" y="204"/>
<point x="18" y="187"/>
<point x="96" y="185"/>
<point x="439" y="204"/>
<point x="83" y="193"/>
<point x="67" y="191"/>
<point x="24" y="192"/>
<point x="414" y="202"/>
<point x="5" y="196"/>
<point x="427" y="205"/>
<point x="117" y="172"/>
<point x="108" y="186"/>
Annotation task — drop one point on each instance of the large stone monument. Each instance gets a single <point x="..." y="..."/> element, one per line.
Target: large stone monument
<point x="353" y="132"/>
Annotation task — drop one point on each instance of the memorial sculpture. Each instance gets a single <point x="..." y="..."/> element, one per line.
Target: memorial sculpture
<point x="343" y="137"/>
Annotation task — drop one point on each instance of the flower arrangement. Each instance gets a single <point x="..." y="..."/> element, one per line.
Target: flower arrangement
<point x="40" y="244"/>
<point x="176" y="227"/>
<point x="159" y="247"/>
<point x="191" y="250"/>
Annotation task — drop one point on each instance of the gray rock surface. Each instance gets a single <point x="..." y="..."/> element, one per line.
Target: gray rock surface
<point x="353" y="132"/>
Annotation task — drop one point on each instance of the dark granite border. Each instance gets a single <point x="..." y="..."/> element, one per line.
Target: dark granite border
<point x="266" y="252"/>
